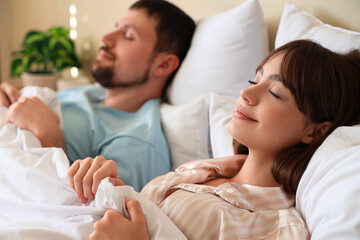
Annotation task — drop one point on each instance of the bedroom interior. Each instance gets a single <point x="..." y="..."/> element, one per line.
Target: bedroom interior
<point x="329" y="192"/>
<point x="95" y="18"/>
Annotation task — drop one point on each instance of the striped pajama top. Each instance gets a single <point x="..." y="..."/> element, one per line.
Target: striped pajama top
<point x="228" y="211"/>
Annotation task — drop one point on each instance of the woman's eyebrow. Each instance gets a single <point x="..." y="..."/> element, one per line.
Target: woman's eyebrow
<point x="275" y="77"/>
<point x="261" y="70"/>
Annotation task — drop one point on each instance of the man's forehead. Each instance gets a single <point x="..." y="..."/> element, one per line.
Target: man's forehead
<point x="135" y="16"/>
<point x="138" y="20"/>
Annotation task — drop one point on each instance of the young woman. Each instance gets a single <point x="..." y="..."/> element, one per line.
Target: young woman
<point x="300" y="94"/>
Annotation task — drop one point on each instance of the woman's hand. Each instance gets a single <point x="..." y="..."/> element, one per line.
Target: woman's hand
<point x="85" y="176"/>
<point x="114" y="226"/>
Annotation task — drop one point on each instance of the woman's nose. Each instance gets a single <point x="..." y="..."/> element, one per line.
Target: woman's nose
<point x="248" y="95"/>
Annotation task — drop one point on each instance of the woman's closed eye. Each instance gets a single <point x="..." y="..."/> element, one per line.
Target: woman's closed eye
<point x="274" y="94"/>
<point x="252" y="82"/>
<point x="270" y="91"/>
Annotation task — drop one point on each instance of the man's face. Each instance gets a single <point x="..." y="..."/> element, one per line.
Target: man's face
<point x="126" y="58"/>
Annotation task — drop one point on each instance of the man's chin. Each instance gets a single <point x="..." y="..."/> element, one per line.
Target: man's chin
<point x="103" y="75"/>
<point x="98" y="64"/>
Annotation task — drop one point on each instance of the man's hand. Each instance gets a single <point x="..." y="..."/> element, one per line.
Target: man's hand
<point x="85" y="176"/>
<point x="113" y="226"/>
<point x="32" y="114"/>
<point x="8" y="94"/>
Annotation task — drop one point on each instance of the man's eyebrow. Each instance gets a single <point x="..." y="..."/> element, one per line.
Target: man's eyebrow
<point x="275" y="77"/>
<point x="126" y="26"/>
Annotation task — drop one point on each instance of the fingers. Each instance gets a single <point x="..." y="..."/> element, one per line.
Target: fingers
<point x="79" y="178"/>
<point x="8" y="94"/>
<point x="108" y="169"/>
<point x="116" y="182"/>
<point x="71" y="173"/>
<point x="135" y="211"/>
<point x="107" y="227"/>
<point x="23" y="105"/>
<point x="4" y="100"/>
<point x="85" y="176"/>
<point x="114" y="226"/>
<point x="99" y="169"/>
<point x="12" y="92"/>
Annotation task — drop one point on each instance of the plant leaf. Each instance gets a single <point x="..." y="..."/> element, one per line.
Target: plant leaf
<point x="34" y="38"/>
<point x="58" y="32"/>
<point x="45" y="52"/>
<point x="17" y="67"/>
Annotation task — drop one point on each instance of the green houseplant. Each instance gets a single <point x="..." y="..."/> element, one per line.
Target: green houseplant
<point x="44" y="53"/>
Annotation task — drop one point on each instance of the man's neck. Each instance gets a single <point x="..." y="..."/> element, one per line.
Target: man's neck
<point x="129" y="99"/>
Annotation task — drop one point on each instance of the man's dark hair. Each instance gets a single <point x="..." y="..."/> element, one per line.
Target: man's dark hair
<point x="174" y="27"/>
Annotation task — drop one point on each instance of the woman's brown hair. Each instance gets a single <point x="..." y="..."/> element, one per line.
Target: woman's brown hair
<point x="326" y="87"/>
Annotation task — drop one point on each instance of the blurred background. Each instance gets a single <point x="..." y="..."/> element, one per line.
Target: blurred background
<point x="88" y="20"/>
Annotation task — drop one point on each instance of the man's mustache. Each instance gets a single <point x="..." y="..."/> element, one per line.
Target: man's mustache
<point x="106" y="49"/>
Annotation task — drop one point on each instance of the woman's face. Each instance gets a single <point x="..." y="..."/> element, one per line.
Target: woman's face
<point x="267" y="118"/>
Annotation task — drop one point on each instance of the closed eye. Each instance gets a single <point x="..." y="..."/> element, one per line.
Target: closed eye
<point x="252" y="82"/>
<point x="275" y="95"/>
<point x="129" y="35"/>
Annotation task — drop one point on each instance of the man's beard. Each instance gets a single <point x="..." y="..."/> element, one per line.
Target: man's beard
<point x="104" y="76"/>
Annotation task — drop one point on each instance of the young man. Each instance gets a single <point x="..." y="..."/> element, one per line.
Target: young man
<point x="121" y="119"/>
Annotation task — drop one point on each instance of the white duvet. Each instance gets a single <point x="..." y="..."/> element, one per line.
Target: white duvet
<point x="36" y="201"/>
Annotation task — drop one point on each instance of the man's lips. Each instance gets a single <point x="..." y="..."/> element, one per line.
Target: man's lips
<point x="241" y="113"/>
<point x="105" y="54"/>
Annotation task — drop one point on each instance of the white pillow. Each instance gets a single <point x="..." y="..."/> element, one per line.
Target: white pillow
<point x="329" y="191"/>
<point x="224" y="53"/>
<point x="297" y="24"/>
<point x="328" y="195"/>
<point x="187" y="129"/>
<point x="221" y="111"/>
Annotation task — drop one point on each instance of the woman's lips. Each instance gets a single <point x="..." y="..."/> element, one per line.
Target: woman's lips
<point x="242" y="114"/>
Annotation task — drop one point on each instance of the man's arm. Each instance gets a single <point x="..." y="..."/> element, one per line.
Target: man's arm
<point x="32" y="114"/>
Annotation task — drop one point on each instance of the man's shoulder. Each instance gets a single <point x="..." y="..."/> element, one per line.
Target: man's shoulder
<point x="152" y="104"/>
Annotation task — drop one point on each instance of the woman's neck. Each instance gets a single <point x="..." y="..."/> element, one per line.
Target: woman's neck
<point x="256" y="171"/>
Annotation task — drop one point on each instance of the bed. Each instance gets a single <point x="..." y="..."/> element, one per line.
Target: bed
<point x="201" y="100"/>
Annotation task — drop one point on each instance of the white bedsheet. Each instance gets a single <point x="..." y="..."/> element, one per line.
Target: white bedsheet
<point x="36" y="201"/>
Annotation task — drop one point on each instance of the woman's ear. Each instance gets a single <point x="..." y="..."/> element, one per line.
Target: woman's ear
<point x="167" y="64"/>
<point x="315" y="131"/>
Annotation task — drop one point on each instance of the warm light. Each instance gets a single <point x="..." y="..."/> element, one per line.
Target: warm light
<point x="72" y="9"/>
<point x="73" y="34"/>
<point x="74" y="72"/>
<point x="73" y="22"/>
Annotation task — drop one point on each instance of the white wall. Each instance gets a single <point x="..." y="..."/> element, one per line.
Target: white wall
<point x="95" y="18"/>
